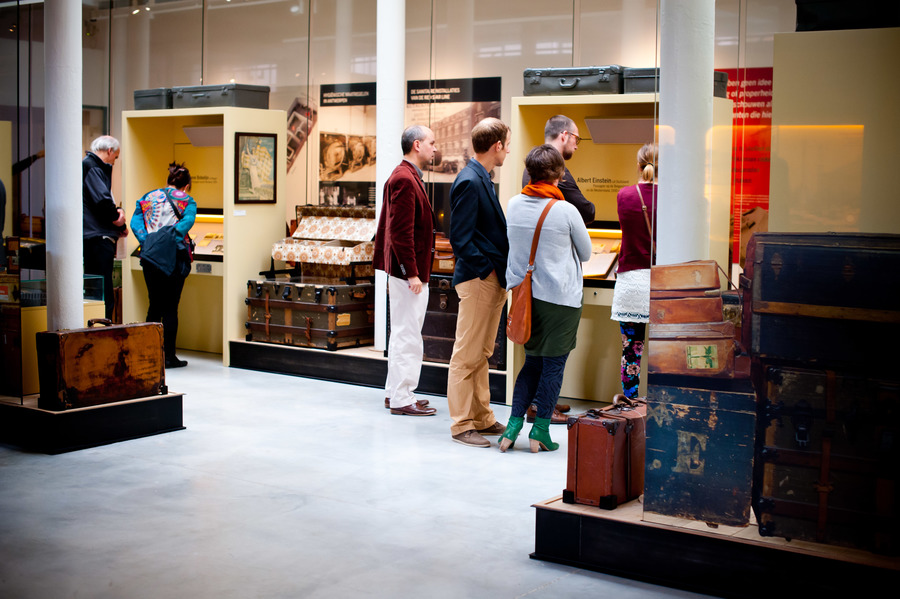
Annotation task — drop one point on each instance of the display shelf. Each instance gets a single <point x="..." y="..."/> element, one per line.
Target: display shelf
<point x="212" y="303"/>
<point x="601" y="169"/>
<point x="722" y="561"/>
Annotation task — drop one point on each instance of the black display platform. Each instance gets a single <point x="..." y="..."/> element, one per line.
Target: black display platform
<point x="342" y="367"/>
<point x="725" y="561"/>
<point x="34" y="429"/>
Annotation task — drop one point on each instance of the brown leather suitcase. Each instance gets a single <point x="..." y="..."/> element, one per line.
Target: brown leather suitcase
<point x="606" y="455"/>
<point x="686" y="309"/>
<point x="684" y="279"/>
<point x="696" y="349"/>
<point x="99" y="365"/>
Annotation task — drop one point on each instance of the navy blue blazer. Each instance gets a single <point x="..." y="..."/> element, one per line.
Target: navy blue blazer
<point x="477" y="226"/>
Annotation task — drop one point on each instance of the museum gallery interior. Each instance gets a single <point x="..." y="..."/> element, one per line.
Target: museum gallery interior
<point x="231" y="202"/>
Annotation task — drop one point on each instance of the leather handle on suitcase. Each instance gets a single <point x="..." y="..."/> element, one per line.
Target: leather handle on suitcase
<point x="103" y="321"/>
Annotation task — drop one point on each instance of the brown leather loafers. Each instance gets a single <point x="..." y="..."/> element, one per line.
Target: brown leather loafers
<point x="472" y="439"/>
<point x="413" y="410"/>
<point x="422" y="403"/>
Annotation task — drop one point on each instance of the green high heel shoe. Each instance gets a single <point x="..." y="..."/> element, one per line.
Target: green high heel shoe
<point x="540" y="436"/>
<point x="513" y="428"/>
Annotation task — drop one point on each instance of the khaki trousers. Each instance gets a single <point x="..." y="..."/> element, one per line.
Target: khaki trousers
<point x="468" y="390"/>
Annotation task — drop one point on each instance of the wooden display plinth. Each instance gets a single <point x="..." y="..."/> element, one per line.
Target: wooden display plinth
<point x="723" y="561"/>
<point x="28" y="426"/>
<point x="344" y="366"/>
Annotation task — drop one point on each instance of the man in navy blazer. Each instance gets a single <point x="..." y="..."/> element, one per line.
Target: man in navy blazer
<point x="403" y="249"/>
<point x="478" y="237"/>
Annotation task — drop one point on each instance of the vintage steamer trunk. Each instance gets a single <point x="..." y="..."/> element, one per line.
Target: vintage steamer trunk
<point x="823" y="299"/>
<point x="229" y="94"/>
<point x="606" y="456"/>
<point x="87" y="367"/>
<point x="828" y="459"/>
<point x="686" y="309"/>
<point x="309" y="315"/>
<point x="704" y="349"/>
<point x="700" y="442"/>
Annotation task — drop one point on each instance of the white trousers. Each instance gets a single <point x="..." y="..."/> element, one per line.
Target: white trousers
<point x="405" y="346"/>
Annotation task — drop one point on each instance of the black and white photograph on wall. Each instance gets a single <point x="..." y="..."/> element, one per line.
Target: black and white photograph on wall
<point x="347" y="193"/>
<point x="254" y="179"/>
<point x="333" y="156"/>
<point x="451" y="107"/>
<point x="301" y="118"/>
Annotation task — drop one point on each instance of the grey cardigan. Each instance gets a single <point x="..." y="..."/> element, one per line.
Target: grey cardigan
<point x="563" y="246"/>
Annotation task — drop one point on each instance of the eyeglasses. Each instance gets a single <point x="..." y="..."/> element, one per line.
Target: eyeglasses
<point x="578" y="139"/>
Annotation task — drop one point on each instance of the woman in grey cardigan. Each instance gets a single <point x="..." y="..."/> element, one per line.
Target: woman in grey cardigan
<point x="556" y="291"/>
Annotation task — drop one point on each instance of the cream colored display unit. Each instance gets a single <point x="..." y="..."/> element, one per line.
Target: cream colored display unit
<point x="601" y="169"/>
<point x="212" y="310"/>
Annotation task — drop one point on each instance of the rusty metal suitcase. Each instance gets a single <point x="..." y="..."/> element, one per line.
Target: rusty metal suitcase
<point x="821" y="298"/>
<point x="828" y="449"/>
<point x="324" y="316"/>
<point x="704" y="349"/>
<point x="606" y="455"/>
<point x="99" y="365"/>
<point x="605" y="79"/>
<point x="700" y="442"/>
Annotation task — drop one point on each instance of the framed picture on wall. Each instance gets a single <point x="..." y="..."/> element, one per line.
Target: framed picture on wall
<point x="254" y="168"/>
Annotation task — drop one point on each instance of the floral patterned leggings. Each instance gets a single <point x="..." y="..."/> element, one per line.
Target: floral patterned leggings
<point x="632" y="348"/>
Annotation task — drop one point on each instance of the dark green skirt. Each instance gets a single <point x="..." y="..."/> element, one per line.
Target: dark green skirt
<point x="553" y="329"/>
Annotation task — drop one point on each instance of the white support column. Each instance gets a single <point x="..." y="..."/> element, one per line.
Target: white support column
<point x="687" y="32"/>
<point x="62" y="80"/>
<point x="390" y="97"/>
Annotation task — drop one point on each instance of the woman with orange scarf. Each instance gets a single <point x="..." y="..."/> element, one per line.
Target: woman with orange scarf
<point x="556" y="290"/>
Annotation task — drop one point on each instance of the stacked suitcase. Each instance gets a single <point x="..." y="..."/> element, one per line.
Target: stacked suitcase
<point x="701" y="416"/>
<point x="821" y="319"/>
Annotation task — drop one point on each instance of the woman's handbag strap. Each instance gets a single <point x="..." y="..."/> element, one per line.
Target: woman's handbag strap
<point x="537" y="232"/>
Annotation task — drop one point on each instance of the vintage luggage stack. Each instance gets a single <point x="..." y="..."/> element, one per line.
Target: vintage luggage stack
<point x="701" y="413"/>
<point x="311" y="315"/>
<point x="606" y="455"/>
<point x="330" y="304"/>
<point x="439" y="328"/>
<point x="87" y="367"/>
<point x="688" y="332"/>
<point x="821" y="318"/>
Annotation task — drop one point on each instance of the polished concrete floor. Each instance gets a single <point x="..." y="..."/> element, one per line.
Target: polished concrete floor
<point x="286" y="487"/>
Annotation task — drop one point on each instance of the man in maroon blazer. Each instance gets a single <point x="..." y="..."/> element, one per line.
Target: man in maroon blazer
<point x="403" y="249"/>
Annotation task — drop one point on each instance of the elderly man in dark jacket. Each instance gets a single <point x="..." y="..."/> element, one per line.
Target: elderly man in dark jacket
<point x="103" y="221"/>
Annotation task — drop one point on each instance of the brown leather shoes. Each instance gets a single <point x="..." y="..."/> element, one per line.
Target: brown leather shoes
<point x="422" y="403"/>
<point x="413" y="410"/>
<point x="472" y="439"/>
<point x="563" y="407"/>
<point x="494" y="429"/>
<point x="555" y="418"/>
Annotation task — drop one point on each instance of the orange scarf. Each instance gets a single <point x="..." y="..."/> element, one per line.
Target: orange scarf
<point x="542" y="189"/>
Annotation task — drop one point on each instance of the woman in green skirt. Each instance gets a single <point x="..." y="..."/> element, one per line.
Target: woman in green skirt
<point x="556" y="290"/>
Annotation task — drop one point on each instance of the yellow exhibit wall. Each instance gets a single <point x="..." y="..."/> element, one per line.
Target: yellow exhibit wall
<point x="212" y="310"/>
<point x="834" y="131"/>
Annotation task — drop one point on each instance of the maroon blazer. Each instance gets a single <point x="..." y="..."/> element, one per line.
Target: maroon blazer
<point x="404" y="241"/>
